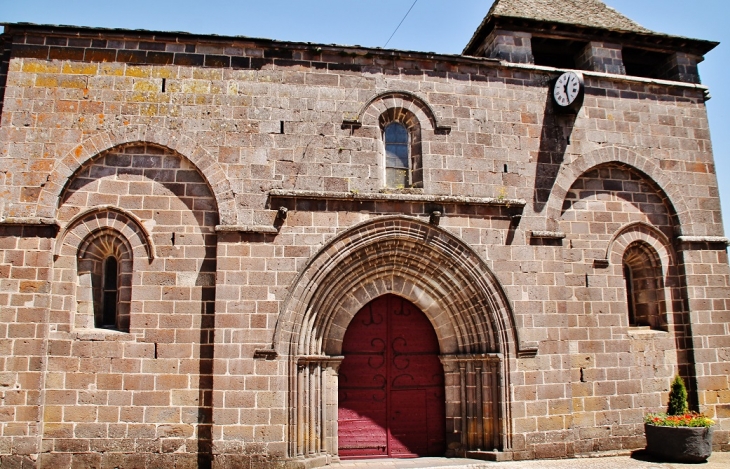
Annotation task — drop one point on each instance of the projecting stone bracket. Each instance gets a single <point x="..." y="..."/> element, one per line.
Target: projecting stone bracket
<point x="703" y="242"/>
<point x="33" y="221"/>
<point x="396" y="197"/>
<point x="435" y="207"/>
<point x="265" y="354"/>
<point x="527" y="351"/>
<point x="262" y="229"/>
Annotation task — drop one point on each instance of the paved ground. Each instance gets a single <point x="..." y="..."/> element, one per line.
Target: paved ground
<point x="637" y="461"/>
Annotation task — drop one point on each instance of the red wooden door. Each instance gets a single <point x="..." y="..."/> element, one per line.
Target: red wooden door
<point x="391" y="384"/>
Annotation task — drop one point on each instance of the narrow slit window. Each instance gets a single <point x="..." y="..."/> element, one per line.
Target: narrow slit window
<point x="397" y="156"/>
<point x="629" y="295"/>
<point x="110" y="293"/>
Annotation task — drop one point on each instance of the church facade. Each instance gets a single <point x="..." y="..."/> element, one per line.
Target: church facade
<point x="235" y="252"/>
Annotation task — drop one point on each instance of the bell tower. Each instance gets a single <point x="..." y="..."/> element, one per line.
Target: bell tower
<point x="584" y="35"/>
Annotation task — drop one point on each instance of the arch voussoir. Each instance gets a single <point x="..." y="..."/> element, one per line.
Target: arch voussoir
<point x="425" y="265"/>
<point x="573" y="170"/>
<point x="97" y="144"/>
<point x="442" y="276"/>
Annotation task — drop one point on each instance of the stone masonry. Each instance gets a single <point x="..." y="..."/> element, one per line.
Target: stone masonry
<point x="240" y="184"/>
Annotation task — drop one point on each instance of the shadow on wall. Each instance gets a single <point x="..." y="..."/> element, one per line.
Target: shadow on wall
<point x="205" y="367"/>
<point x="554" y="140"/>
<point x="176" y="204"/>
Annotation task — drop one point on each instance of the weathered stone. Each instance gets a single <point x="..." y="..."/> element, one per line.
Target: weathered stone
<point x="241" y="187"/>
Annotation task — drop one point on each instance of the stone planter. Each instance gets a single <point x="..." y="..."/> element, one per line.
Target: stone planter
<point x="680" y="444"/>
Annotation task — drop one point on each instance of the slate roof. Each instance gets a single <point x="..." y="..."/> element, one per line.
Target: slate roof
<point x="568" y="14"/>
<point x="588" y="13"/>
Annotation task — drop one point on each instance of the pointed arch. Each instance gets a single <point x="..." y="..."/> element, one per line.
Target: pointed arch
<point x="441" y="276"/>
<point x="179" y="144"/>
<point x="424" y="264"/>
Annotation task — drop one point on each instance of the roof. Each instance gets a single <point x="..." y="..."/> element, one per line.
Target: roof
<point x="226" y="45"/>
<point x="593" y="15"/>
<point x="588" y="13"/>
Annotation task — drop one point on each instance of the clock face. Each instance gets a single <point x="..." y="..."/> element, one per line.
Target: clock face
<point x="567" y="89"/>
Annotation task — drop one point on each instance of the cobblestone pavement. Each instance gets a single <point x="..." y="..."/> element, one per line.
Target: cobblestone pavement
<point x="637" y="461"/>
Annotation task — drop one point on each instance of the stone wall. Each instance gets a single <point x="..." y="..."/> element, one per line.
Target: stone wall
<point x="189" y="146"/>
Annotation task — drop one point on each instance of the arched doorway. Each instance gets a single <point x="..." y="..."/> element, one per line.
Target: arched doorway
<point x="391" y="384"/>
<point x="447" y="281"/>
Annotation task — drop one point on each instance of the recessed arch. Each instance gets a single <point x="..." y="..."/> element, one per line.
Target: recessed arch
<point x="424" y="264"/>
<point x="403" y="153"/>
<point x="438" y="274"/>
<point x="72" y="239"/>
<point x="179" y="144"/>
<point x="108" y="302"/>
<point x="640" y="231"/>
<point x="571" y="172"/>
<point x="84" y="241"/>
<point x="662" y="255"/>
<point x="644" y="280"/>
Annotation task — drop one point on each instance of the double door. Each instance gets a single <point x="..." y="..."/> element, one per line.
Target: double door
<point x="391" y="384"/>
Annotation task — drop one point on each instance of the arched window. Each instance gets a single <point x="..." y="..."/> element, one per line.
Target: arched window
<point x="105" y="279"/>
<point x="110" y="274"/>
<point x="397" y="156"/>
<point x="644" y="286"/>
<point x="402" y="142"/>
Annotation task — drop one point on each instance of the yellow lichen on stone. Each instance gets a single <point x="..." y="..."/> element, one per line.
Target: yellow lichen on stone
<point x="72" y="68"/>
<point x="141" y="97"/>
<point x="146" y="85"/>
<point x="148" y="110"/>
<point x="174" y="86"/>
<point x="72" y="82"/>
<point x="47" y="81"/>
<point x="196" y="87"/>
<point x="112" y="69"/>
<point x="164" y="72"/>
<point x="208" y="74"/>
<point x="163" y="110"/>
<point x="216" y="88"/>
<point x="41" y="67"/>
<point x="135" y="71"/>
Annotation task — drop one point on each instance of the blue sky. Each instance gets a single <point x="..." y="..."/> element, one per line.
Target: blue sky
<point x="443" y="26"/>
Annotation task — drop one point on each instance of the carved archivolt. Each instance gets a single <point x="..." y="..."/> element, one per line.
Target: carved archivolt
<point x="436" y="272"/>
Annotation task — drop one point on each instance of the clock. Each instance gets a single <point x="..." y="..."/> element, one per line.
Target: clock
<point x="568" y="91"/>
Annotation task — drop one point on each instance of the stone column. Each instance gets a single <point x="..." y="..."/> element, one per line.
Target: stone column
<point x="680" y="66"/>
<point x="473" y="402"/>
<point x="314" y="407"/>
<point x="601" y="57"/>
<point x="510" y="46"/>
